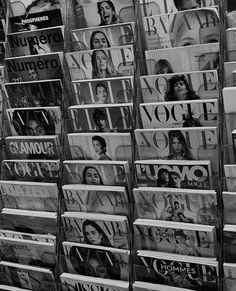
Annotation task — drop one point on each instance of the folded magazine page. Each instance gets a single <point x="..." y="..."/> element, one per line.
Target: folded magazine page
<point x="104" y="36"/>
<point x="145" y="286"/>
<point x="185" y="86"/>
<point x="181" y="205"/>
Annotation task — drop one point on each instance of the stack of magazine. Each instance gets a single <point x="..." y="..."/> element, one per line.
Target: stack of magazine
<point x="229" y="145"/>
<point x="96" y="210"/>
<point x="32" y="132"/>
<point x="177" y="162"/>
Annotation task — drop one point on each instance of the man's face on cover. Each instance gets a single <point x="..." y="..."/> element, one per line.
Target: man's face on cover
<point x="106" y="13"/>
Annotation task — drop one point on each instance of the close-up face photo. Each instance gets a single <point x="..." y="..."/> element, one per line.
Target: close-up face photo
<point x="106" y="13"/>
<point x="93" y="236"/>
<point x="102" y="94"/>
<point x="176" y="145"/>
<point x="180" y="89"/>
<point x="101" y="61"/>
<point x="97" y="147"/>
<point x="92" y="177"/>
<point x="99" y="41"/>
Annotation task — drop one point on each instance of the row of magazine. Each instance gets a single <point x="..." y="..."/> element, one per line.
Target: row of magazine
<point x="70" y="120"/>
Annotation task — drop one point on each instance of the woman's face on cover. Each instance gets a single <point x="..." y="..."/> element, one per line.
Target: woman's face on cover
<point x="92" y="177"/>
<point x="102" y="94"/>
<point x="206" y="33"/>
<point x="101" y="61"/>
<point x="97" y="147"/>
<point x="93" y="236"/>
<point x="176" y="145"/>
<point x="35" y="128"/>
<point x="180" y="90"/>
<point x="99" y="40"/>
<point x="106" y="13"/>
<point x="95" y="269"/>
<point x="165" y="176"/>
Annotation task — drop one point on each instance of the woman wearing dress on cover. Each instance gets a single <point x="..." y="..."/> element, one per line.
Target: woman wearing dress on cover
<point x="102" y="65"/>
<point x="180" y="90"/>
<point x="100" y="147"/>
<point x="178" y="149"/>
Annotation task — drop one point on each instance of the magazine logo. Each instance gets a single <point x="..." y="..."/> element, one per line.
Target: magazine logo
<point x="174" y="267"/>
<point x="39" y="63"/>
<point x="86" y="287"/>
<point x="17" y="41"/>
<point x="161" y="83"/>
<point x="177" y="113"/>
<point x="194" y="139"/>
<point x="190" y="173"/>
<point x="46" y="148"/>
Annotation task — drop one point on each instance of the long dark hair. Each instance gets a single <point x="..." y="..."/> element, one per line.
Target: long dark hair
<point x="104" y="240"/>
<point x="115" y="17"/>
<point x="85" y="171"/>
<point x="185" y="153"/>
<point x="170" y="95"/>
<point x="92" y="38"/>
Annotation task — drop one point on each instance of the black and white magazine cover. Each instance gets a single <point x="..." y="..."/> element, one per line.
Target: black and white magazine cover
<point x="36" y="42"/>
<point x="35" y="67"/>
<point x="100" y="146"/>
<point x="92" y="172"/>
<point x="31" y="170"/>
<point x="34" y="121"/>
<point x="101" y="63"/>
<point x="102" y="13"/>
<point x="199" y="57"/>
<point x="101" y="37"/>
<point x="178" y="174"/>
<point x="99" y="199"/>
<point x="102" y="91"/>
<point x="183" y="28"/>
<point x="34" y="93"/>
<point x="101" y="118"/>
<point x="84" y="259"/>
<point x="96" y="229"/>
<point x="186" y="86"/>
<point x="192" y="113"/>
